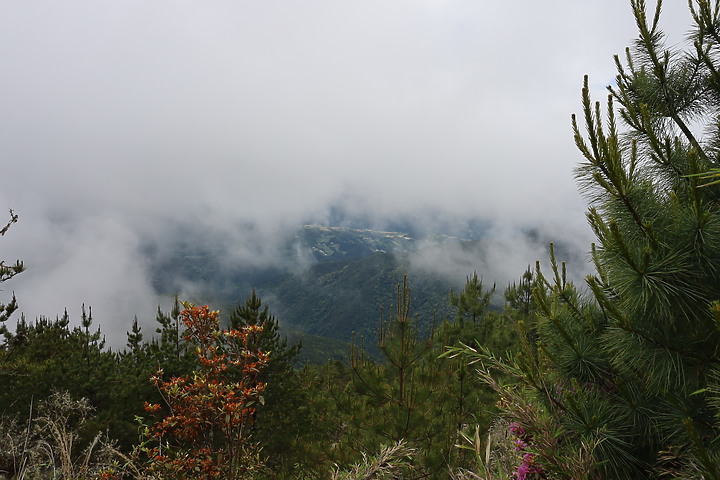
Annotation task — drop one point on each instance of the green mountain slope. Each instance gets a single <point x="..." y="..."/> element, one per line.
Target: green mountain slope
<point x="351" y="275"/>
<point x="324" y="283"/>
<point x="338" y="243"/>
<point x="338" y="298"/>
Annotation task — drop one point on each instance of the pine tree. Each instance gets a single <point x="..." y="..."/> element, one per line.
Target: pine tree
<point x="6" y="273"/>
<point x="473" y="300"/>
<point x="623" y="383"/>
<point x="398" y="397"/>
<point x="472" y="403"/>
<point x="46" y="356"/>
<point x="519" y="296"/>
<point x="281" y="422"/>
<point x="135" y="336"/>
<point x="171" y="331"/>
<point x="466" y="402"/>
<point x="658" y="236"/>
<point x="168" y="350"/>
<point x="253" y="312"/>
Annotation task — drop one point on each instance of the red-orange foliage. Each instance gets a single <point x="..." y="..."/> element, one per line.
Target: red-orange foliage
<point x="204" y="433"/>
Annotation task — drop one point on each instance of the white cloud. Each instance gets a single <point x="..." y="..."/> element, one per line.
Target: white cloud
<point x="119" y="118"/>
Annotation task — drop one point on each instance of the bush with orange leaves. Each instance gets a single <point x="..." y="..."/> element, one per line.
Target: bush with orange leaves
<point x="203" y="432"/>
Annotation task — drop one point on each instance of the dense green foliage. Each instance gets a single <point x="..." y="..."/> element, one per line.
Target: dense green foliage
<point x="282" y="421"/>
<point x="473" y="300"/>
<point x="622" y="382"/>
<point x="309" y="420"/>
<point x="352" y="290"/>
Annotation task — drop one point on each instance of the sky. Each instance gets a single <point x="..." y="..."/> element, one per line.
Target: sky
<point x="120" y="120"/>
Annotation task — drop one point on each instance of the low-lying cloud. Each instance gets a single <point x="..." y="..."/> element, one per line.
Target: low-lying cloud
<point x="503" y="255"/>
<point x="121" y="121"/>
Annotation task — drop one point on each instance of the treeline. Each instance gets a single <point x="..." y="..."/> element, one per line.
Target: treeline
<point x="310" y="422"/>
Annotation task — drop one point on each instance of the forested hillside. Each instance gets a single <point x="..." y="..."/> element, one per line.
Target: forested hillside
<point x="282" y="421"/>
<point x="329" y="281"/>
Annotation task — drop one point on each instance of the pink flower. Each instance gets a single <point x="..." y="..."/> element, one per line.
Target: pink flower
<point x="516" y="429"/>
<point x="527" y="467"/>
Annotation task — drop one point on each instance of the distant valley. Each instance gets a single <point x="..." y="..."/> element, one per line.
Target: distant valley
<point x="330" y="284"/>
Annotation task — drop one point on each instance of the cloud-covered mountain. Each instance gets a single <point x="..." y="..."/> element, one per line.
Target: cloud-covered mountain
<point x="335" y="281"/>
